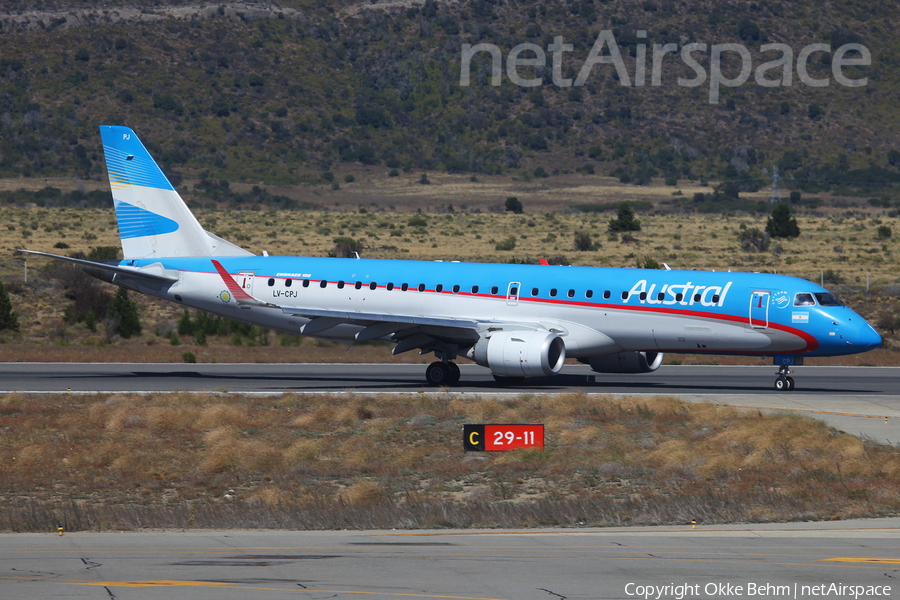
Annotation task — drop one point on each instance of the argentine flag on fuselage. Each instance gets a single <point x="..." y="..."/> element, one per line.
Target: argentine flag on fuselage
<point x="154" y="222"/>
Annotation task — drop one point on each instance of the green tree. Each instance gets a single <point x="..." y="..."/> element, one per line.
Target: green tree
<point x="125" y="311"/>
<point x="782" y="223"/>
<point x="514" y="205"/>
<point x="8" y="318"/>
<point x="625" y="220"/>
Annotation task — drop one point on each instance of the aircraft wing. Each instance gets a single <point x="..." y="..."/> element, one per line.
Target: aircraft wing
<point x="160" y="276"/>
<point x="411" y="331"/>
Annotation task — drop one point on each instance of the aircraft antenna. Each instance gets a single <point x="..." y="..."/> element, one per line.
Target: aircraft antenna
<point x="776" y="191"/>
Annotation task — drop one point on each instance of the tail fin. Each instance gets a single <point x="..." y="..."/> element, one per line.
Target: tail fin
<point x="154" y="222"/>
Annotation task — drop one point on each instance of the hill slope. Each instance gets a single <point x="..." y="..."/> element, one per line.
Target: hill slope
<point x="280" y="94"/>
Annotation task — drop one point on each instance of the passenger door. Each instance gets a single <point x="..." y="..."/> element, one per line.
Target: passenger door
<point x="512" y="293"/>
<point x="759" y="309"/>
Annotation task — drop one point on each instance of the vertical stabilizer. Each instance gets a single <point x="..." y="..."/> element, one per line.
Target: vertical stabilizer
<point x="154" y="222"/>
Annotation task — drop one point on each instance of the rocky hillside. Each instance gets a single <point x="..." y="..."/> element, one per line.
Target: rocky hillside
<point x="283" y="93"/>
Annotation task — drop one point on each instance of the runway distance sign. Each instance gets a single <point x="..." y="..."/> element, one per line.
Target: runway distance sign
<point x="494" y="438"/>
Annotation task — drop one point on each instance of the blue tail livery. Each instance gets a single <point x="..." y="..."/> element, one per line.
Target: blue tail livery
<point x="517" y="320"/>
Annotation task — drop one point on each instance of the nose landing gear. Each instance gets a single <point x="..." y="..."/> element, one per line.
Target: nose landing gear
<point x="783" y="383"/>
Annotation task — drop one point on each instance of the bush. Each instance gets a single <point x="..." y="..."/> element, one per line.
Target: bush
<point x="417" y="222"/>
<point x="514" y="205"/>
<point x="884" y="232"/>
<point x="188" y="357"/>
<point x="782" y="223"/>
<point x="124" y="310"/>
<point x="9" y="320"/>
<point x="583" y="241"/>
<point x="507" y="244"/>
<point x="754" y="240"/>
<point x="625" y="220"/>
<point x="647" y="262"/>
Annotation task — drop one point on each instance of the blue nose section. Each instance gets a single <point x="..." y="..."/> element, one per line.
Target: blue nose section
<point x="868" y="338"/>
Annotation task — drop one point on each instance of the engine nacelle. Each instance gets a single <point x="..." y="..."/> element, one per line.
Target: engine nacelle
<point x="521" y="353"/>
<point x="627" y="362"/>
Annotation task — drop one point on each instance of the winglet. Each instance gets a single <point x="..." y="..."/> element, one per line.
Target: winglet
<point x="237" y="291"/>
<point x="544" y="261"/>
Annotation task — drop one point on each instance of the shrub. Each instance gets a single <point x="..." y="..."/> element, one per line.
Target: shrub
<point x="417" y="221"/>
<point x="188" y="357"/>
<point x="625" y="220"/>
<point x="507" y="244"/>
<point x="124" y="310"/>
<point x="9" y="320"/>
<point x="754" y="240"/>
<point x="514" y="205"/>
<point x="884" y="232"/>
<point x="647" y="262"/>
<point x="583" y="241"/>
<point x="782" y="223"/>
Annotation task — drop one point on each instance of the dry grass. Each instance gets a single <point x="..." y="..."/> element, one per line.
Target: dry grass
<point x="844" y="242"/>
<point x="120" y="461"/>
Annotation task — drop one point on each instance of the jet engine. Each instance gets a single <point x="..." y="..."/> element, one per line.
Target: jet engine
<point x="520" y="353"/>
<point x="627" y="362"/>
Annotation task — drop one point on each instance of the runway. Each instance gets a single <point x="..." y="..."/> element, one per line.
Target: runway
<point x="281" y="377"/>
<point x="772" y="561"/>
<point x="852" y="399"/>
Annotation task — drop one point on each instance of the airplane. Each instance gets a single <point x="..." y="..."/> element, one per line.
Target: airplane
<point x="517" y="320"/>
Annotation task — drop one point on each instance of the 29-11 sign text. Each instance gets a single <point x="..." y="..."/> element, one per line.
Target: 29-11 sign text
<point x="492" y="438"/>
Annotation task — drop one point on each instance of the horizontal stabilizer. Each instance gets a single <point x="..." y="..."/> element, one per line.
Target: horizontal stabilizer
<point x="134" y="272"/>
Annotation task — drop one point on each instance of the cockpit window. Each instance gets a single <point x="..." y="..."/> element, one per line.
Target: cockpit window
<point x="804" y="300"/>
<point x="826" y="299"/>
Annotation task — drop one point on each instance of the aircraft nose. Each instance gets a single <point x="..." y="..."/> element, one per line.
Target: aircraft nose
<point x="868" y="337"/>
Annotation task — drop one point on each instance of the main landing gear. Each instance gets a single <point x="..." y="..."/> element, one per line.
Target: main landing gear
<point x="783" y="383"/>
<point x="440" y="373"/>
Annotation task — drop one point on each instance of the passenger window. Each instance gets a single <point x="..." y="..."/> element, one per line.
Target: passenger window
<point x="696" y="297"/>
<point x="372" y="286"/>
<point x="455" y="289"/>
<point x="679" y="297"/>
<point x="358" y="285"/>
<point x="340" y="285"/>
<point x="404" y="287"/>
<point x="715" y="298"/>
<point x="624" y="295"/>
<point x="389" y="286"/>
<point x="306" y="283"/>
<point x="514" y="291"/>
<point x="494" y="290"/>
<point x="643" y="295"/>
<point x="439" y="288"/>
<point x="571" y="293"/>
<point x="804" y="300"/>
<point x="474" y="289"/>
<point x="660" y="296"/>
<point x="553" y="293"/>
<point x="323" y="283"/>
<point x="288" y="282"/>
<point x="606" y="295"/>
<point x="589" y="294"/>
<point x="271" y="281"/>
<point x="421" y="287"/>
<point x="534" y="291"/>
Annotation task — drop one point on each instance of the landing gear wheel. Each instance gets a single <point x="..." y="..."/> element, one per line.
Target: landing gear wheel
<point x="503" y="381"/>
<point x="454" y="373"/>
<point x="783" y="383"/>
<point x="437" y="374"/>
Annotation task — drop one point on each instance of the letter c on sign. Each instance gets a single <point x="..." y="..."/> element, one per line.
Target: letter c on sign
<point x="472" y="438"/>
